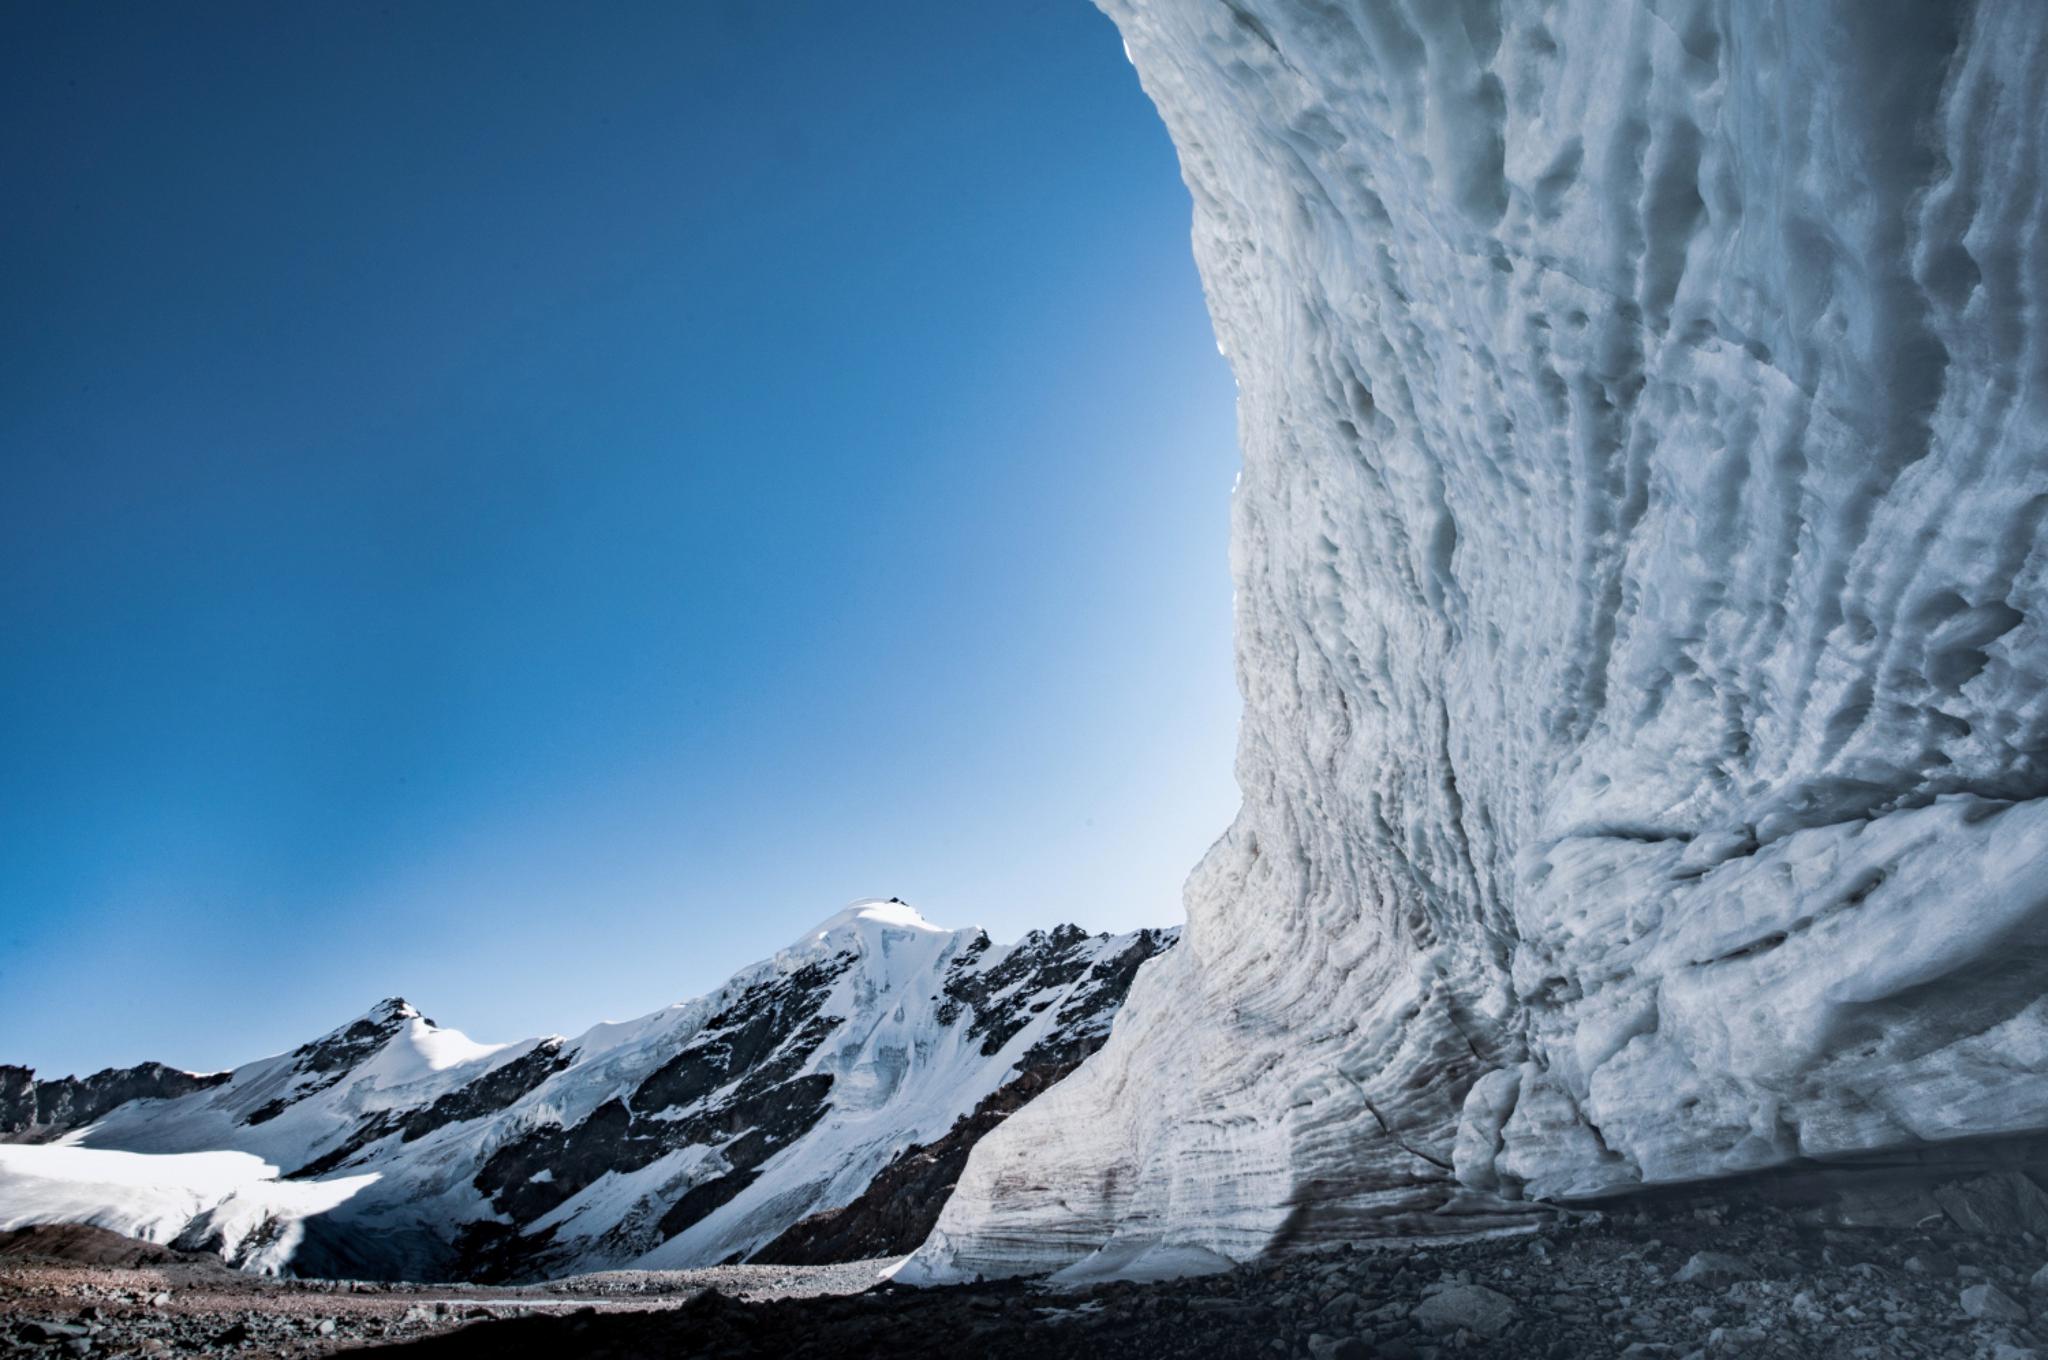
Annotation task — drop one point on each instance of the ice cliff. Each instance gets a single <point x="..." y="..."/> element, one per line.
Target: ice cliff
<point x="1640" y="593"/>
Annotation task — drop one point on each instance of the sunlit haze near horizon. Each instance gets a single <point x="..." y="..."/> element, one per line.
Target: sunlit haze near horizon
<point x="529" y="508"/>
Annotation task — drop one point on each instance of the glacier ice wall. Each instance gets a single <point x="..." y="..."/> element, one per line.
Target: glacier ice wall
<point x="1639" y="606"/>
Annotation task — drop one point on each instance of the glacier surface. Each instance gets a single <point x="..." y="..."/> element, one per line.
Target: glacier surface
<point x="1639" y="572"/>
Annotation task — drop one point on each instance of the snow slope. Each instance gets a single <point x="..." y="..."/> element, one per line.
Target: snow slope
<point x="684" y="1138"/>
<point x="228" y="1202"/>
<point x="1640" y="593"/>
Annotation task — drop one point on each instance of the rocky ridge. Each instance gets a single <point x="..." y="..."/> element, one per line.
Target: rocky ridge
<point x="33" y="1111"/>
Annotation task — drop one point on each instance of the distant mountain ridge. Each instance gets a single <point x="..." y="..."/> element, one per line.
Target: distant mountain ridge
<point x="392" y="1147"/>
<point x="34" y="1111"/>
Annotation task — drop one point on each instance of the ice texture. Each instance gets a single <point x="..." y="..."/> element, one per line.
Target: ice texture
<point x="1639" y="572"/>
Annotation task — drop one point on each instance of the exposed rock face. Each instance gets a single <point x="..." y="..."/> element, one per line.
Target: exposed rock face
<point x="32" y="1111"/>
<point x="689" y="1137"/>
<point x="1639" y="603"/>
<point x="901" y="1205"/>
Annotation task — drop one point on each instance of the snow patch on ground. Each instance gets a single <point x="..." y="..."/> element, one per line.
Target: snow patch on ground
<point x="251" y="1217"/>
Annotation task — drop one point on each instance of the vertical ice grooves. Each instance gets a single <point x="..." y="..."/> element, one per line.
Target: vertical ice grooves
<point x="1640" y="583"/>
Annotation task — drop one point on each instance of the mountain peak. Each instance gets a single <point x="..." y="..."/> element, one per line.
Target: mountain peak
<point x="866" y="914"/>
<point x="391" y="1011"/>
<point x="412" y="1132"/>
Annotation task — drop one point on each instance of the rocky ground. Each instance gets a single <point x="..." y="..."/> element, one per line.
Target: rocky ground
<point x="80" y="1291"/>
<point x="1685" y="1281"/>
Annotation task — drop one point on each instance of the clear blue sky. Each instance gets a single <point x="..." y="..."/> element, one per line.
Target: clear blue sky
<point x="528" y="507"/>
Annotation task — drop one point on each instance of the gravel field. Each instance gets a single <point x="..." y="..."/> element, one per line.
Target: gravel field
<point x="1651" y="1286"/>
<point x="1693" y="1281"/>
<point x="80" y="1291"/>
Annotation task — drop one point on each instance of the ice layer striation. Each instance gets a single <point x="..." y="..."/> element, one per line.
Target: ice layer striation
<point x="1640" y="601"/>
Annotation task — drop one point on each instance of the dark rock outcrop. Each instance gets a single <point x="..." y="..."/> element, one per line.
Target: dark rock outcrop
<point x="488" y="1094"/>
<point x="899" y="1207"/>
<point x="34" y="1111"/>
<point x="325" y="1061"/>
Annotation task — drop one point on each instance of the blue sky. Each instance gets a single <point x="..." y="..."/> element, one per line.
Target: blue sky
<point x="528" y="507"/>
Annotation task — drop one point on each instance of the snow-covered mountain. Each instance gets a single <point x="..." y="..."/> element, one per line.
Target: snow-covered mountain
<point x="1640" y="578"/>
<point x="392" y="1147"/>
